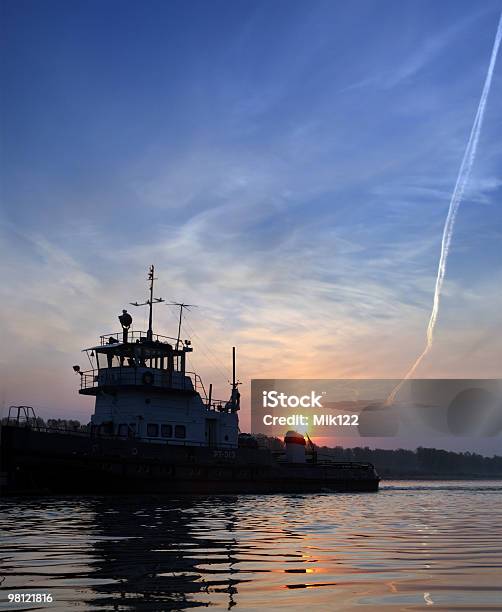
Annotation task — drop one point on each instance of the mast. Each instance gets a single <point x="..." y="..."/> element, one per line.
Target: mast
<point x="179" y="326"/>
<point x="234" y="386"/>
<point x="180" y="305"/>
<point x="151" y="278"/>
<point x="235" y="395"/>
<point x="150" y="302"/>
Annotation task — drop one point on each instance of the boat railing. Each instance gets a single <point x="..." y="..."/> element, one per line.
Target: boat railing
<point x="139" y="376"/>
<point x="22" y="416"/>
<point x="280" y="455"/>
<point x="346" y="464"/>
<point x="134" y="336"/>
<point x="85" y="431"/>
<point x="36" y="426"/>
<point x="218" y="405"/>
<point x="151" y="377"/>
<point x="211" y="403"/>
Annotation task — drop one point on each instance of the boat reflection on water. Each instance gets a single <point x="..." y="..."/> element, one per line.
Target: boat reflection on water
<point x="155" y="556"/>
<point x="401" y="549"/>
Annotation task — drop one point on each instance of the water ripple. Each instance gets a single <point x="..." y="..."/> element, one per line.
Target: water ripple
<point x="411" y="546"/>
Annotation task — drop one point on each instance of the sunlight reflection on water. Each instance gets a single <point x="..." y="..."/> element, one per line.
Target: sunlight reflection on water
<point x="411" y="546"/>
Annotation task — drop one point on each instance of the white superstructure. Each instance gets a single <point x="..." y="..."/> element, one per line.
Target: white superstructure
<point x="143" y="390"/>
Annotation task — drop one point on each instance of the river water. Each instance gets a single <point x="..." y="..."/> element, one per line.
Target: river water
<point x="413" y="545"/>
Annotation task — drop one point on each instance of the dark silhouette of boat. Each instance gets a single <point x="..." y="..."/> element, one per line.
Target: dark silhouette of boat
<point x="156" y="430"/>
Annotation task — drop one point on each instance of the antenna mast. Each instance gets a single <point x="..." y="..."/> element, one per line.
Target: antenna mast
<point x="150" y="302"/>
<point x="180" y="305"/>
<point x="234" y="384"/>
<point x="235" y="395"/>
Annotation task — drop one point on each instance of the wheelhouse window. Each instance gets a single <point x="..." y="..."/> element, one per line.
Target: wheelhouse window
<point x="180" y="431"/>
<point x="152" y="430"/>
<point x="166" y="431"/>
<point x="123" y="429"/>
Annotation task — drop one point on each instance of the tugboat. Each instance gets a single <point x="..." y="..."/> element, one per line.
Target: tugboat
<point x="156" y="430"/>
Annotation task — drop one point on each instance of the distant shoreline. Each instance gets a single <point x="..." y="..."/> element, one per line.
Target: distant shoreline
<point x="436" y="477"/>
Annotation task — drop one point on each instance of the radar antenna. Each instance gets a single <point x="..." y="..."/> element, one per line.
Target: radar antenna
<point x="150" y="302"/>
<point x="181" y="306"/>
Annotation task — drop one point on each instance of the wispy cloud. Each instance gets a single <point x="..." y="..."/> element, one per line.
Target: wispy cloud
<point x="415" y="55"/>
<point x="304" y="223"/>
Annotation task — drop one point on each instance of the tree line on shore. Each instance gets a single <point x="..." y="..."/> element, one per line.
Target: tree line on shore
<point x="422" y="461"/>
<point x="404" y="463"/>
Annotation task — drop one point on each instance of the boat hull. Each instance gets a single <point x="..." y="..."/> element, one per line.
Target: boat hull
<point x="41" y="462"/>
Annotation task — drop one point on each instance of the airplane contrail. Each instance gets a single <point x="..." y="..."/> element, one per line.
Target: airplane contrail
<point x="456" y="198"/>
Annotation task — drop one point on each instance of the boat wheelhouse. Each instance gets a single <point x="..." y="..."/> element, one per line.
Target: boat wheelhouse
<point x="143" y="390"/>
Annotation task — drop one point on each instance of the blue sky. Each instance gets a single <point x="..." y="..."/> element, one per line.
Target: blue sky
<point x="286" y="165"/>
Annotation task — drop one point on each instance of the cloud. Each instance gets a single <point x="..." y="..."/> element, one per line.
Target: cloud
<point x="304" y="224"/>
<point x="408" y="64"/>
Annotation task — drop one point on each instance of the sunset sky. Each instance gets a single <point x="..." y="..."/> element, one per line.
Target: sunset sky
<point x="287" y="167"/>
